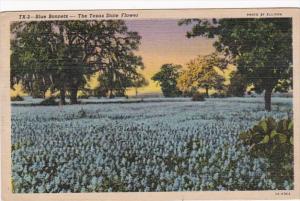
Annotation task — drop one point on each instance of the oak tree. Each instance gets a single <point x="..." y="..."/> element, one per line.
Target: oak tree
<point x="261" y="48"/>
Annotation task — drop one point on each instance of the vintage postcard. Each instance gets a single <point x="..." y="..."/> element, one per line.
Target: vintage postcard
<point x="184" y="104"/>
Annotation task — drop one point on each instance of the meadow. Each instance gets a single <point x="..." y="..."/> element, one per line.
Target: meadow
<point x="148" y="146"/>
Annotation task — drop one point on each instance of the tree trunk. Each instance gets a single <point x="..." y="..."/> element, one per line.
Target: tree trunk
<point x="62" y="100"/>
<point x="73" y="95"/>
<point x="136" y="92"/>
<point x="206" y="91"/>
<point x="268" y="94"/>
<point x="111" y="93"/>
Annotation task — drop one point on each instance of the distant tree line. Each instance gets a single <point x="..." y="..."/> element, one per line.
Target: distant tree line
<point x="200" y="73"/>
<point x="62" y="55"/>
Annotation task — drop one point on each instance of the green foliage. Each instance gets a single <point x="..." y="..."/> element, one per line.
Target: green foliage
<point x="198" y="97"/>
<point x="261" y="48"/>
<point x="284" y="86"/>
<point x="17" y="98"/>
<point x="238" y="85"/>
<point x="201" y="72"/>
<point x="62" y="54"/>
<point x="190" y="92"/>
<point x="83" y="96"/>
<point x="49" y="101"/>
<point x="218" y="95"/>
<point x="118" y="63"/>
<point x="273" y="140"/>
<point x="167" y="79"/>
<point x="19" y="145"/>
<point x="38" y="89"/>
<point x="120" y="93"/>
<point x="100" y="91"/>
<point x="82" y="113"/>
<point x="139" y="81"/>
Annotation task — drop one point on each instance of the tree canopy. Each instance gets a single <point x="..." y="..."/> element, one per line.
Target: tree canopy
<point x="59" y="54"/>
<point x="167" y="79"/>
<point x="261" y="48"/>
<point x="238" y="84"/>
<point x="201" y="73"/>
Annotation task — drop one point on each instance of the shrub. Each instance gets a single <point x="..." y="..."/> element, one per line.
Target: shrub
<point x="17" y="98"/>
<point x="198" y="97"/>
<point x="82" y="113"/>
<point x="49" y="101"/>
<point x="83" y="96"/>
<point x="190" y="93"/>
<point x="273" y="140"/>
<point x="218" y="95"/>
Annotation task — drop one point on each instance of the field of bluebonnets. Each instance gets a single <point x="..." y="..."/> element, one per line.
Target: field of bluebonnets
<point x="158" y="146"/>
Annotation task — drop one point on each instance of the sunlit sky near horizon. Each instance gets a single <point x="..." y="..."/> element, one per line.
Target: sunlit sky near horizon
<point x="164" y="41"/>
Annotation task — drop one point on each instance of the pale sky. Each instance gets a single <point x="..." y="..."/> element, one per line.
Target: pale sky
<point x="164" y="41"/>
